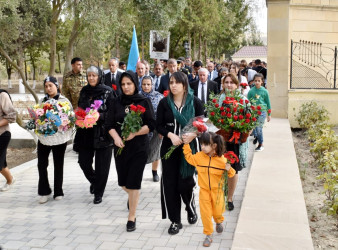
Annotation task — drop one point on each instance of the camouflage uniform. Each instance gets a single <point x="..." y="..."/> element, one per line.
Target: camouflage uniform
<point x="72" y="85"/>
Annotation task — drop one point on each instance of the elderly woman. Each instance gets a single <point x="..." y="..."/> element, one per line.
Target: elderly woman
<point x="7" y="115"/>
<point x="131" y="162"/>
<point x="230" y="83"/>
<point x="177" y="182"/>
<point x="148" y="90"/>
<point x="56" y="143"/>
<point x="95" y="141"/>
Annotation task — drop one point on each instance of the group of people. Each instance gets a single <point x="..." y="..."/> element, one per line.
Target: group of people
<point x="170" y="101"/>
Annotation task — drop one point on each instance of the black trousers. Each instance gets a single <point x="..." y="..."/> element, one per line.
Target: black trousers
<point x="5" y="137"/>
<point x="58" y="157"/>
<point x="98" y="177"/>
<point x="174" y="188"/>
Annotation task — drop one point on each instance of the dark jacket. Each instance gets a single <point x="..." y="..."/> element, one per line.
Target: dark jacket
<point x="108" y="81"/>
<point x="97" y="136"/>
<point x="211" y="87"/>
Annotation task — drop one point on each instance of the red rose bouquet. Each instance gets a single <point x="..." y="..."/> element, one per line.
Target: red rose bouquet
<point x="114" y="87"/>
<point x="233" y="114"/>
<point x="166" y="93"/>
<point x="195" y="125"/>
<point x="132" y="123"/>
<point x="223" y="184"/>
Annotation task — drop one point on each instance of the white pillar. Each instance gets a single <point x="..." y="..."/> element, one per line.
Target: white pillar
<point x="21" y="87"/>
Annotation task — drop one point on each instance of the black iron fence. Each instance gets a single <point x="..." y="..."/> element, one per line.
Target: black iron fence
<point x="313" y="65"/>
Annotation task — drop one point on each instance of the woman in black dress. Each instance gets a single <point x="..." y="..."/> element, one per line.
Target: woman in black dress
<point x="132" y="160"/>
<point x="173" y="113"/>
<point x="95" y="141"/>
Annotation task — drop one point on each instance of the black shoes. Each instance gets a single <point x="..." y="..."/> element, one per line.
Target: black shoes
<point x="91" y="189"/>
<point x="156" y="178"/>
<point x="174" y="228"/>
<point x="97" y="199"/>
<point x="231" y="205"/>
<point x="131" y="225"/>
<point x="255" y="140"/>
<point x="192" y="219"/>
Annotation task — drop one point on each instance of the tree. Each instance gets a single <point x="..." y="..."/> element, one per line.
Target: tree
<point x="57" y="6"/>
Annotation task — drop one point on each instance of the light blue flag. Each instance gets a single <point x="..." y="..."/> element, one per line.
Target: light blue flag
<point x="134" y="55"/>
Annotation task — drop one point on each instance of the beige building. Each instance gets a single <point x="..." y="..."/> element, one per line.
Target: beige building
<point x="313" y="27"/>
<point x="250" y="53"/>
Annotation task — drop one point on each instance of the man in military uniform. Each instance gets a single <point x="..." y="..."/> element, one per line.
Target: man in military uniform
<point x="73" y="82"/>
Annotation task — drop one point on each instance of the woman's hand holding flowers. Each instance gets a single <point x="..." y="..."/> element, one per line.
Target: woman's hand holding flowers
<point x="175" y="139"/>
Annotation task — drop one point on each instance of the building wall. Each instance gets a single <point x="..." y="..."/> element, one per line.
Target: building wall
<point x="309" y="20"/>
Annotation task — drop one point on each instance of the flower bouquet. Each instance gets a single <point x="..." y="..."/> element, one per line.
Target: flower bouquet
<point x="49" y="118"/>
<point x="132" y="123"/>
<point x="233" y="115"/>
<point x="223" y="184"/>
<point x="87" y="118"/>
<point x="195" y="125"/>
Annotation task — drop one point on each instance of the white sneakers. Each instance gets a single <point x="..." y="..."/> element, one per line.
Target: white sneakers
<point x="7" y="186"/>
<point x="43" y="199"/>
<point x="58" y="198"/>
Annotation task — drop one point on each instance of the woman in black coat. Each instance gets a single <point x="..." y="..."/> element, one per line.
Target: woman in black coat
<point x="173" y="113"/>
<point x="95" y="141"/>
<point x="131" y="162"/>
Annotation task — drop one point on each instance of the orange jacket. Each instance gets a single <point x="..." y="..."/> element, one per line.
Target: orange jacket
<point x="210" y="169"/>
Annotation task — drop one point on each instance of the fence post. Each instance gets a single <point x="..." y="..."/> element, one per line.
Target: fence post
<point x="335" y="67"/>
<point x="291" y="64"/>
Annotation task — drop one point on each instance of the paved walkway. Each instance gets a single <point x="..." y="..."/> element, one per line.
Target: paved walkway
<point x="76" y="223"/>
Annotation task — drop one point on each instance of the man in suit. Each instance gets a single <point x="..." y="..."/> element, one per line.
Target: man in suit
<point x="203" y="87"/>
<point x="113" y="76"/>
<point x="194" y="75"/>
<point x="172" y="68"/>
<point x="140" y="72"/>
<point x="158" y="73"/>
<point x="212" y="74"/>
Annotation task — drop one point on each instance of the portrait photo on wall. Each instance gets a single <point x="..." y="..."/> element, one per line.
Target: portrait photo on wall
<point x="159" y="44"/>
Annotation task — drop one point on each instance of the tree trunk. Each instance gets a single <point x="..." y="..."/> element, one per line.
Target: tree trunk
<point x="205" y="50"/>
<point x="195" y="49"/>
<point x="26" y="69"/>
<point x="9" y="74"/>
<point x="200" y="47"/>
<point x="56" y="10"/>
<point x="3" y="52"/>
<point x="189" y="40"/>
<point x="142" y="44"/>
<point x="117" y="45"/>
<point x="59" y="62"/>
<point x="52" y="51"/>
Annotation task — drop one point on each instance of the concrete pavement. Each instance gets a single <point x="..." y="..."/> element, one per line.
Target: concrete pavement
<point x="76" y="223"/>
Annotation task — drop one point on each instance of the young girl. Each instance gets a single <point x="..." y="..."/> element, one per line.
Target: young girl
<point x="258" y="95"/>
<point x="210" y="164"/>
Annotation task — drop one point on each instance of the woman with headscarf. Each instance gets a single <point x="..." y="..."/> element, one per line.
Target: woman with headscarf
<point x="95" y="141"/>
<point x="148" y="90"/>
<point x="173" y="114"/>
<point x="131" y="162"/>
<point x="7" y="115"/>
<point x="57" y="143"/>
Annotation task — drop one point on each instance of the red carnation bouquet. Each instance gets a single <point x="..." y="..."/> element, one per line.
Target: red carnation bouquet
<point x="223" y="184"/>
<point x="114" y="87"/>
<point x="166" y="93"/>
<point x="195" y="125"/>
<point x="233" y="114"/>
<point x="132" y="123"/>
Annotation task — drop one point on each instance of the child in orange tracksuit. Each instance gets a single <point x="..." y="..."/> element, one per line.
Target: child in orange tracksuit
<point x="210" y="164"/>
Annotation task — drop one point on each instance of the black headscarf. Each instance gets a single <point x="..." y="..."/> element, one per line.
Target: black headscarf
<point x="136" y="97"/>
<point x="99" y="88"/>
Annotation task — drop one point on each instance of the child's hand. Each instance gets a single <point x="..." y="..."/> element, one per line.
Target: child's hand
<point x="188" y="137"/>
<point x="227" y="167"/>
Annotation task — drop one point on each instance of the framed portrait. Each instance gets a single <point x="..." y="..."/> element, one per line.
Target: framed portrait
<point x="159" y="44"/>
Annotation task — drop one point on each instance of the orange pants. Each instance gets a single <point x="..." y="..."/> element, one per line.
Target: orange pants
<point x="211" y="205"/>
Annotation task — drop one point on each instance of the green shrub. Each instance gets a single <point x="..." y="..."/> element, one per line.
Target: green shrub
<point x="311" y="113"/>
<point x="327" y="142"/>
